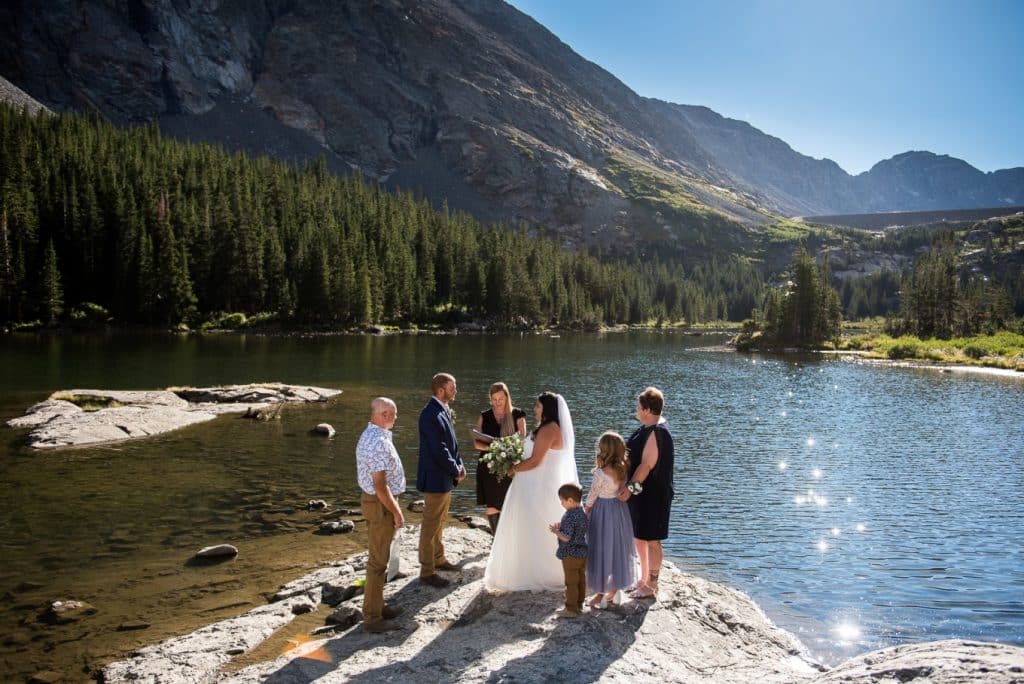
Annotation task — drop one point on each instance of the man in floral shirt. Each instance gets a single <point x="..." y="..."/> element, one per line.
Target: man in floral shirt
<point x="381" y="477"/>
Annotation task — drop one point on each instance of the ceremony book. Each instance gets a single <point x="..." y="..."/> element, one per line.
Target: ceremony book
<point x="483" y="436"/>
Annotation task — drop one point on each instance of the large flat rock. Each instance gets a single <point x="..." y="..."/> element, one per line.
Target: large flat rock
<point x="698" y="631"/>
<point x="112" y="425"/>
<point x="936" y="662"/>
<point x="128" y="414"/>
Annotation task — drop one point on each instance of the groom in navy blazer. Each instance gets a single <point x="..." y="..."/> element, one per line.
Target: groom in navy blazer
<point x="440" y="468"/>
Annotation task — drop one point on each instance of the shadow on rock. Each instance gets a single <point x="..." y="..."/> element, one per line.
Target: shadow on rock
<point x="423" y="605"/>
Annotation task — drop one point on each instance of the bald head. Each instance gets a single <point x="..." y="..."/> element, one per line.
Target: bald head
<point x="383" y="412"/>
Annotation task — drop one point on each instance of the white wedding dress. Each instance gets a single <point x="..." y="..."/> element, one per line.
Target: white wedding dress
<point x="523" y="552"/>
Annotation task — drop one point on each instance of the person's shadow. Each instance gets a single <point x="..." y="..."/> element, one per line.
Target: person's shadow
<point x="415" y="597"/>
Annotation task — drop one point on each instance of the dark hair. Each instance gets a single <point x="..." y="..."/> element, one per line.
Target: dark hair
<point x="548" y="410"/>
<point x="653" y="400"/>
<point x="571" y="491"/>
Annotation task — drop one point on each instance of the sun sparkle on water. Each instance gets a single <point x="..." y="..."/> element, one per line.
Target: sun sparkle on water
<point x="847" y="631"/>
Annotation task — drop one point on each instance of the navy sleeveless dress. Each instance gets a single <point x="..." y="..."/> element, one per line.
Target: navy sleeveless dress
<point x="650" y="510"/>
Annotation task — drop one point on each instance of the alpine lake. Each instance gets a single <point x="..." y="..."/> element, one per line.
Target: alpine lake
<point x="860" y="505"/>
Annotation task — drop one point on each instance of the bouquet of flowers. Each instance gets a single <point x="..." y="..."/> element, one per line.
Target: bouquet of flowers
<point x="503" y="453"/>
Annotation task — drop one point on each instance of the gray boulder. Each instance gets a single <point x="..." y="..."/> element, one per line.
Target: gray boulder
<point x="337" y="527"/>
<point x="345" y="616"/>
<point x="333" y="593"/>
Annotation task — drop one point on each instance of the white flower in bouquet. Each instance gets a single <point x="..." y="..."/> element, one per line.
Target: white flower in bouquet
<point x="503" y="453"/>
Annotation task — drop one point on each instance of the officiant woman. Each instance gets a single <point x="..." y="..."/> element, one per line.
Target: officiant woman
<point x="501" y="420"/>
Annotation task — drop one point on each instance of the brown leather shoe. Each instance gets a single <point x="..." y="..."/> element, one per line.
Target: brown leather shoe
<point x="390" y="612"/>
<point x="435" y="580"/>
<point x="447" y="565"/>
<point x="381" y="626"/>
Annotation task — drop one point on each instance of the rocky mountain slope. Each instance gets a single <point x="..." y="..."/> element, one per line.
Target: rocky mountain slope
<point x="468" y="101"/>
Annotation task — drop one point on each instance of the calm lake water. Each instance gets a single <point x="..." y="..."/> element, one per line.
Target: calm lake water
<point x="860" y="506"/>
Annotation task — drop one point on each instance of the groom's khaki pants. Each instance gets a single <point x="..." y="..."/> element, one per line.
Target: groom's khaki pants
<point x="435" y="512"/>
<point x="381" y="529"/>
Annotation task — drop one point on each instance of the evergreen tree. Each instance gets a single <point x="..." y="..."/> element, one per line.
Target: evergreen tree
<point x="806" y="311"/>
<point x="51" y="303"/>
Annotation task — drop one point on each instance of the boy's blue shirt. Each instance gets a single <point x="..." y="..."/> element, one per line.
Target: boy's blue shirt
<point x="574" y="525"/>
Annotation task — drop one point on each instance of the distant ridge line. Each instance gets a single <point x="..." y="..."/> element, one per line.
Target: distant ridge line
<point x="895" y="219"/>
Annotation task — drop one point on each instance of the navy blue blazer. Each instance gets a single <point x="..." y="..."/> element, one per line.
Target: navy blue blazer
<point x="439" y="464"/>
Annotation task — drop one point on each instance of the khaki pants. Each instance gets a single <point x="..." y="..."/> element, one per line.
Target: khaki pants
<point x="381" y="529"/>
<point x="435" y="513"/>
<point x="575" y="570"/>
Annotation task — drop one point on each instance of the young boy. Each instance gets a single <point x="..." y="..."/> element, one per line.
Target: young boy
<point x="572" y="548"/>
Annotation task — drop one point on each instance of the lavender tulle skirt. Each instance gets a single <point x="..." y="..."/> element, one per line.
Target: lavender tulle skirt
<point x="611" y="556"/>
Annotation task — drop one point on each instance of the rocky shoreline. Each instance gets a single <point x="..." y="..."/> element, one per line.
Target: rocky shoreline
<point x="80" y="417"/>
<point x="696" y="631"/>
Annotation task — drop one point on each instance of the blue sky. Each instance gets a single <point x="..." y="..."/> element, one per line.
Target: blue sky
<point x="856" y="81"/>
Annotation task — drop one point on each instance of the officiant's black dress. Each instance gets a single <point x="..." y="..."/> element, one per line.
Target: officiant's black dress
<point x="650" y="508"/>
<point x="490" y="491"/>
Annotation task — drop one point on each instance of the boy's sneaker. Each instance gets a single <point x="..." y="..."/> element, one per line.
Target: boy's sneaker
<point x="566" y="614"/>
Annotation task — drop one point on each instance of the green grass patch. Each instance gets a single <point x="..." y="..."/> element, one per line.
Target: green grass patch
<point x="1003" y="349"/>
<point x="785" y="230"/>
<point x="647" y="184"/>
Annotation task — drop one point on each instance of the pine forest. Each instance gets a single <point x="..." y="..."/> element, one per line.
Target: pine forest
<point x="126" y="225"/>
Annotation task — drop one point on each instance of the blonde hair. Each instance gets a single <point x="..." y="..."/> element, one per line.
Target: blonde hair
<point x="611" y="453"/>
<point x="508" y="423"/>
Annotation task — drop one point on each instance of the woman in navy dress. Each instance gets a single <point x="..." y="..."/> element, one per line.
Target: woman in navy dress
<point x="501" y="420"/>
<point x="650" y="491"/>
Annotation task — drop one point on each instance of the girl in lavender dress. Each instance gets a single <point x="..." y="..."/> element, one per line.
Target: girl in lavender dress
<point x="611" y="557"/>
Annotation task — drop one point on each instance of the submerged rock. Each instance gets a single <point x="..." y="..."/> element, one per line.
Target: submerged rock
<point x="218" y="551"/>
<point x="324" y="429"/>
<point x="64" y="612"/>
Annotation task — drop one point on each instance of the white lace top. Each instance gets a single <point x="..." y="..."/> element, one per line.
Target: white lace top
<point x="602" y="487"/>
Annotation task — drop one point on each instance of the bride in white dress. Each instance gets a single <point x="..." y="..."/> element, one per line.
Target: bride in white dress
<point x="523" y="552"/>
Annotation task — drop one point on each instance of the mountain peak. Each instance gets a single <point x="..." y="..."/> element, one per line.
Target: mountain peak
<point x="469" y="101"/>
